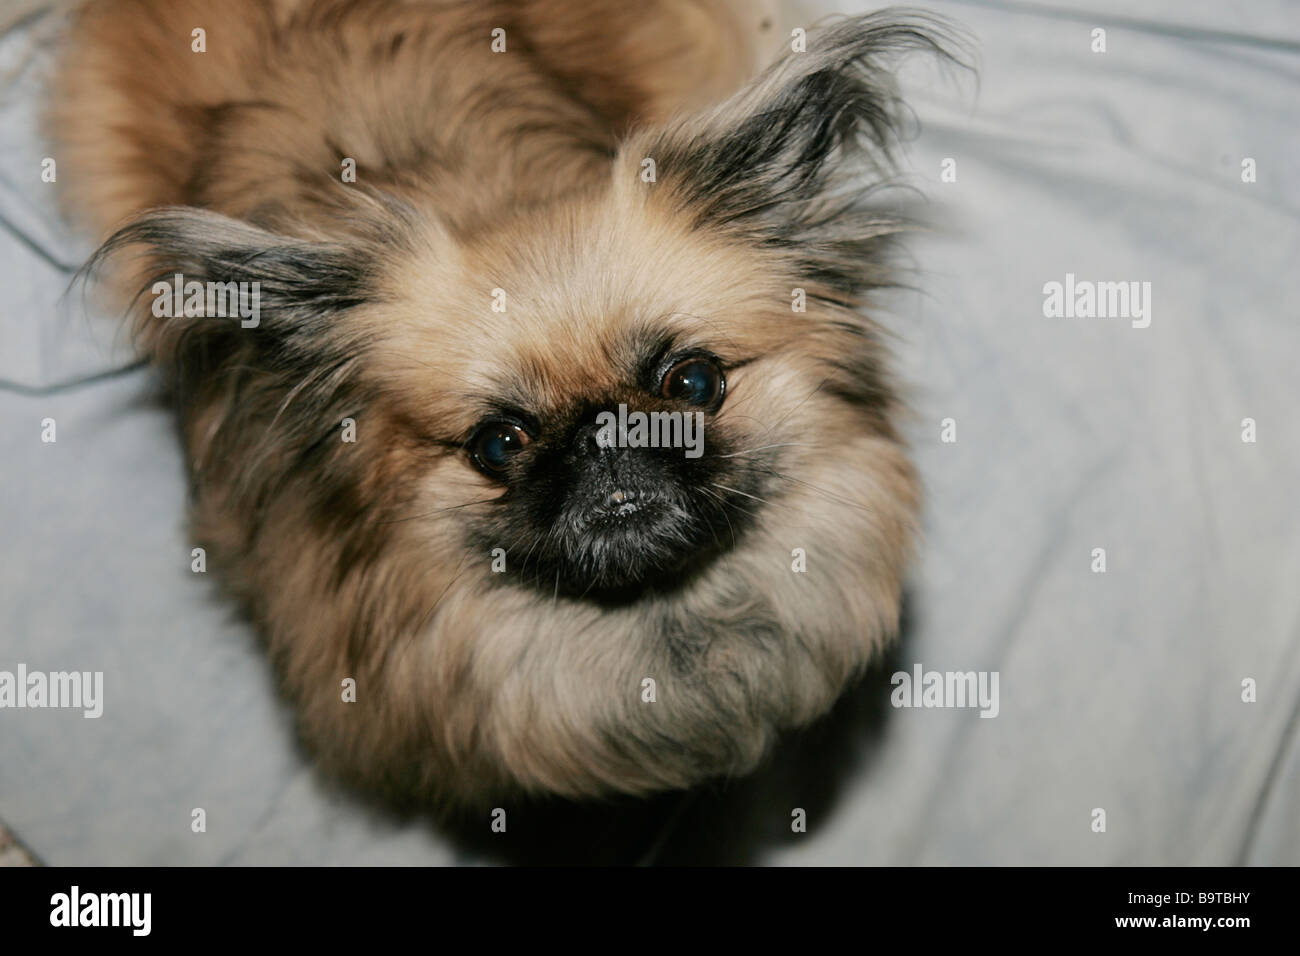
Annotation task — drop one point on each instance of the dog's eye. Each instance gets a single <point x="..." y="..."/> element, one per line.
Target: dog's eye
<point x="697" y="380"/>
<point x="494" y="444"/>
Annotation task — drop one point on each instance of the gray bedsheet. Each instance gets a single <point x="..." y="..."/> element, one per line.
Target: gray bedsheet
<point x="1120" y="690"/>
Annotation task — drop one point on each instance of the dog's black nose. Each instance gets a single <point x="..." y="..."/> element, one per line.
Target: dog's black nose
<point x="591" y="441"/>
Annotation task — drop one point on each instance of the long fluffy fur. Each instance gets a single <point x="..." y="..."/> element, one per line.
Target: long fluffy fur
<point x="519" y="171"/>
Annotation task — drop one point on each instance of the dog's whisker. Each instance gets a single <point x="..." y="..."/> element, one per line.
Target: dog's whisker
<point x="439" y="511"/>
<point x="737" y="491"/>
<point x="750" y="451"/>
<point x="823" y="491"/>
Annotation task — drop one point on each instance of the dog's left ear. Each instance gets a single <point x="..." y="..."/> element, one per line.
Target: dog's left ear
<point x="791" y="160"/>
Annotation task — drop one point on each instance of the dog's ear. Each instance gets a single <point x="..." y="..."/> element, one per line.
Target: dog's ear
<point x="791" y="160"/>
<point x="277" y="359"/>
<point x="264" y="298"/>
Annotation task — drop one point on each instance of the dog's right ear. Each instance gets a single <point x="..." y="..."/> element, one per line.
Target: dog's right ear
<point x="789" y="161"/>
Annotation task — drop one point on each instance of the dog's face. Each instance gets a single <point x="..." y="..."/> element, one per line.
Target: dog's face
<point x="639" y="431"/>
<point x="599" y="509"/>
<point x="619" y="423"/>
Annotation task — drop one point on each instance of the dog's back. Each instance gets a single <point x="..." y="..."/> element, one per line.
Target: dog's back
<point x="255" y="109"/>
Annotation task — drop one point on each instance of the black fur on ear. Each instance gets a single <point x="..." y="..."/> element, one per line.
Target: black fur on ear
<point x="795" y="159"/>
<point x="301" y="285"/>
<point x="285" y="376"/>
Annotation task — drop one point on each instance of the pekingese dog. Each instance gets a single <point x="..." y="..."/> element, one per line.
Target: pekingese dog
<point x="542" y="438"/>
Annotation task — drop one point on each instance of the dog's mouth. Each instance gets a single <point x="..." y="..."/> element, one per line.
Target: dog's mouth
<point x="631" y="538"/>
<point x="627" y="542"/>
<point x="620" y="504"/>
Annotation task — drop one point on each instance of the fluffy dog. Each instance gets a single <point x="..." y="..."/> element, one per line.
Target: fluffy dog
<point x="558" y="208"/>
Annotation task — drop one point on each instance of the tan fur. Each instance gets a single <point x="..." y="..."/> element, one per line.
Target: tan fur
<point x="255" y="118"/>
<point x="516" y="171"/>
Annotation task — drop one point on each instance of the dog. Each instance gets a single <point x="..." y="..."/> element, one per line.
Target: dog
<point x="475" y="234"/>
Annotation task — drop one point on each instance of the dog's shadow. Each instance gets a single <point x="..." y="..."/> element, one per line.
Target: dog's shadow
<point x="733" y="822"/>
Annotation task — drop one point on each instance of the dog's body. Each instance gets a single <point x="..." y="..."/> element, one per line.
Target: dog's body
<point x="505" y="265"/>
